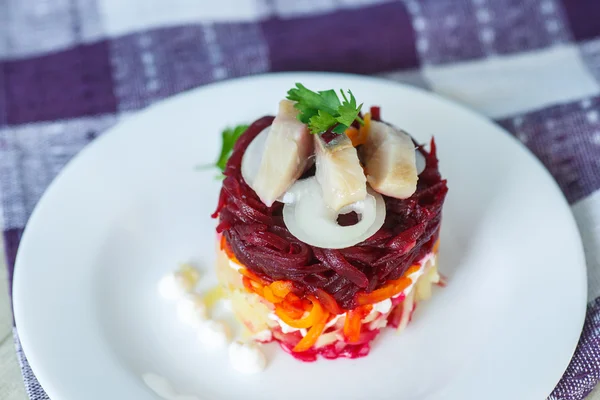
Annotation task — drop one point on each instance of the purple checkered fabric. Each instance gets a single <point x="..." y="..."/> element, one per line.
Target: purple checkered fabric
<point x="70" y="69"/>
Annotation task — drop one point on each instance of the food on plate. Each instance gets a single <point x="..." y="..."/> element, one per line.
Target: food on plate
<point x="390" y="161"/>
<point x="284" y="156"/>
<point x="328" y="228"/>
<point x="338" y="171"/>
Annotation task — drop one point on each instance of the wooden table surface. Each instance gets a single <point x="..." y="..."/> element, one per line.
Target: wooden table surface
<point x="11" y="385"/>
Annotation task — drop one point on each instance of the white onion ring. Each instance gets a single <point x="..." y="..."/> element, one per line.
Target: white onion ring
<point x="420" y="163"/>
<point x="312" y="222"/>
<point x="253" y="156"/>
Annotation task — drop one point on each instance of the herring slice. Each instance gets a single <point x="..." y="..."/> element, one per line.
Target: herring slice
<point x="389" y="157"/>
<point x="285" y="155"/>
<point x="339" y="172"/>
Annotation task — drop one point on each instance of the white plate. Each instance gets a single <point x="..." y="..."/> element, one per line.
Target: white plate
<point x="132" y="206"/>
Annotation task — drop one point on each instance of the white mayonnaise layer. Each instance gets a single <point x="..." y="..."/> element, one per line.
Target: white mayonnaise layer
<point x="263" y="336"/>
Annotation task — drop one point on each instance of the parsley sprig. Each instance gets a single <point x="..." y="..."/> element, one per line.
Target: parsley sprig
<point x="323" y="110"/>
<point x="229" y="136"/>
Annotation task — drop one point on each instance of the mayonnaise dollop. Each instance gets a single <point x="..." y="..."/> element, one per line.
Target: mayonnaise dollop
<point x="174" y="286"/>
<point x="247" y="358"/>
<point x="214" y="333"/>
<point x="191" y="309"/>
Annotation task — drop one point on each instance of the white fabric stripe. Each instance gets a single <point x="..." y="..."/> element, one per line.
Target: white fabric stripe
<point x="508" y="85"/>
<point x="412" y="77"/>
<point x="33" y="154"/>
<point x="31" y="27"/>
<point x="121" y="17"/>
<point x="295" y="8"/>
<point x="587" y="214"/>
<point x="590" y="52"/>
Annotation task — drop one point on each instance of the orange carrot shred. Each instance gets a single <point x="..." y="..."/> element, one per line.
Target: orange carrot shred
<point x="436" y="246"/>
<point x="354" y="135"/>
<point x="312" y="335"/>
<point x="281" y="288"/>
<point x="270" y="297"/>
<point x="352" y="325"/>
<point x="315" y="315"/>
<point x="247" y="273"/>
<point x="412" y="269"/>
<point x="391" y="289"/>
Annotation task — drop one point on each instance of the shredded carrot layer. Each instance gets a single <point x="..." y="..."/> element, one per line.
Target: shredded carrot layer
<point x="270" y="296"/>
<point x="412" y="269"/>
<point x="252" y="276"/>
<point x="391" y="289"/>
<point x="281" y="288"/>
<point x="313" y="312"/>
<point x="353" y="322"/>
<point x="312" y="335"/>
<point x="292" y="310"/>
<point x="436" y="246"/>
<point x="315" y="315"/>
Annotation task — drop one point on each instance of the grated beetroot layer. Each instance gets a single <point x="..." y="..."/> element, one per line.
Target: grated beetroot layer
<point x="260" y="240"/>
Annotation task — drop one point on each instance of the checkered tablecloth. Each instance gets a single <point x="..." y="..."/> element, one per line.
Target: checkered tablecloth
<point x="71" y="69"/>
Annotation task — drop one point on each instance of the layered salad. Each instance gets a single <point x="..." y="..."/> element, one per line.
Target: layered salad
<point x="328" y="225"/>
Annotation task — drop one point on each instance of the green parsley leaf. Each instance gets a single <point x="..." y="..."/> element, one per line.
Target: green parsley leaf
<point x="323" y="110"/>
<point x="313" y="101"/>
<point x="348" y="110"/>
<point x="321" y="122"/>
<point x="306" y="112"/>
<point x="339" y="129"/>
<point x="229" y="137"/>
